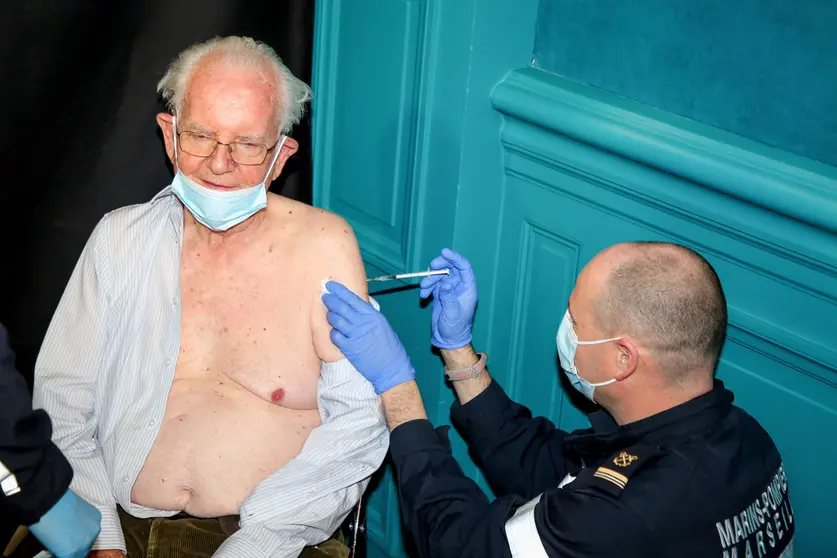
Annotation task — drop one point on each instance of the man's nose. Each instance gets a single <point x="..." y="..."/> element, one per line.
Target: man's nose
<point x="221" y="161"/>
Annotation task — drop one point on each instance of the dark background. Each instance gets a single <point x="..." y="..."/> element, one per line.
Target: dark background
<point x="79" y="138"/>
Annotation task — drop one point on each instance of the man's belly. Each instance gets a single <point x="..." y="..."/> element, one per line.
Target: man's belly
<point x="218" y="441"/>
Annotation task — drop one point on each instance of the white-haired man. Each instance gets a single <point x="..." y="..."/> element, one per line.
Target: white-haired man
<point x="188" y="368"/>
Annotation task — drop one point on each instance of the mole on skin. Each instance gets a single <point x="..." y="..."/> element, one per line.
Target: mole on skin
<point x="277" y="395"/>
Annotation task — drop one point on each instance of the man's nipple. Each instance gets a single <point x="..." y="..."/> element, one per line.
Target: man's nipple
<point x="277" y="395"/>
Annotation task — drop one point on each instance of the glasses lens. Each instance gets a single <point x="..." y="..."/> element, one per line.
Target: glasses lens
<point x="196" y="144"/>
<point x="248" y="153"/>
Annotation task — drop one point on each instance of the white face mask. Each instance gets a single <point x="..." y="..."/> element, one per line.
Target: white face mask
<point x="568" y="342"/>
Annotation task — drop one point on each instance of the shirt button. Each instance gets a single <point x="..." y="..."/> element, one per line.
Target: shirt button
<point x="124" y="479"/>
<point x="151" y="422"/>
<point x="168" y="361"/>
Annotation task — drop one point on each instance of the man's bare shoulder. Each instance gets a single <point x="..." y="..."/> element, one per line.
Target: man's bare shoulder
<point x="317" y="228"/>
<point x="325" y="248"/>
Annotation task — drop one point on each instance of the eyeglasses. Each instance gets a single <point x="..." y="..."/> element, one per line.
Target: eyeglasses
<point x="242" y="152"/>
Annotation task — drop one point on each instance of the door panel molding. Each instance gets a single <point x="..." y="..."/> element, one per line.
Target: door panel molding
<point x="380" y="184"/>
<point x="365" y="165"/>
<point x="548" y="262"/>
<point x="683" y="200"/>
<point x="790" y="185"/>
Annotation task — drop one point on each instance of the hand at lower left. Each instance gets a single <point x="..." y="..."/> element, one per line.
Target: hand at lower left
<point x="69" y="529"/>
<point x="365" y="337"/>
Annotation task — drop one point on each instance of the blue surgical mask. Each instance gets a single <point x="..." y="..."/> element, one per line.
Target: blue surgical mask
<point x="216" y="209"/>
<point x="568" y="342"/>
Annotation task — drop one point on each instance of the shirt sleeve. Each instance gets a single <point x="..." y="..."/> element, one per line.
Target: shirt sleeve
<point x="33" y="473"/>
<point x="303" y="503"/>
<point x="66" y="375"/>
<point x="518" y="454"/>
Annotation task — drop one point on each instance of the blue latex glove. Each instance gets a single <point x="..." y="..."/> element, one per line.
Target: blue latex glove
<point x="69" y="528"/>
<point x="454" y="300"/>
<point x="365" y="337"/>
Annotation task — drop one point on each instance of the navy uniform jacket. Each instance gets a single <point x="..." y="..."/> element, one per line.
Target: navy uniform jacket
<point x="702" y="479"/>
<point x="34" y="474"/>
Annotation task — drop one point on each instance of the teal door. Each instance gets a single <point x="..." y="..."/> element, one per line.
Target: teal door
<point x="432" y="129"/>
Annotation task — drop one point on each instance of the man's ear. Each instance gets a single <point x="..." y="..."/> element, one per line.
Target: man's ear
<point x="291" y="146"/>
<point x="165" y="122"/>
<point x="628" y="357"/>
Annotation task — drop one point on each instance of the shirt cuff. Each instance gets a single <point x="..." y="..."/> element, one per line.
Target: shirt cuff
<point x="417" y="436"/>
<point x="483" y="411"/>
<point x="111" y="536"/>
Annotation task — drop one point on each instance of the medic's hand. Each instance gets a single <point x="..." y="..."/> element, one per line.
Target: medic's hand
<point x="455" y="300"/>
<point x="365" y="338"/>
<point x="69" y="528"/>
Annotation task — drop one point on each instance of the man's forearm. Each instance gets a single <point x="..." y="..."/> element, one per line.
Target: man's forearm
<point x="457" y="359"/>
<point x="402" y="404"/>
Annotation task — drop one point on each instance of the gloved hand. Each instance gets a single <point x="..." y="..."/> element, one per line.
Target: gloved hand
<point x="365" y="338"/>
<point x="69" y="528"/>
<point x="455" y="300"/>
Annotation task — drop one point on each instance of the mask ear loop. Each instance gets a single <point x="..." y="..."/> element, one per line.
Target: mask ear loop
<point x="574" y="335"/>
<point x="174" y="133"/>
<point x="599" y="342"/>
<point x="275" y="157"/>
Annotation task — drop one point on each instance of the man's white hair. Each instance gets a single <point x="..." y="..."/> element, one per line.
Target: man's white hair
<point x="241" y="52"/>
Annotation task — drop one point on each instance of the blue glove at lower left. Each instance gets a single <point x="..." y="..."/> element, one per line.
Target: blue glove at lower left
<point x="69" y="529"/>
<point x="365" y="337"/>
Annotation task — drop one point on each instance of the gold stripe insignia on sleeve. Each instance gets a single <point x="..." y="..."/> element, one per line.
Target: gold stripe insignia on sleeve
<point x="610" y="475"/>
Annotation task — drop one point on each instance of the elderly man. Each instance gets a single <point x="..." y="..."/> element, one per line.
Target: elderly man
<point x="188" y="368"/>
<point x="670" y="466"/>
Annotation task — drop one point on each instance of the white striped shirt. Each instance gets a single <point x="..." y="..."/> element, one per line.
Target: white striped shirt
<point x="105" y="370"/>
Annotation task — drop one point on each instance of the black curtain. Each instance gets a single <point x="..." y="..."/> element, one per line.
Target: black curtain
<point x="79" y="138"/>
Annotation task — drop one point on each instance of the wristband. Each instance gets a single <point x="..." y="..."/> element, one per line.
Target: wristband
<point x="468" y="373"/>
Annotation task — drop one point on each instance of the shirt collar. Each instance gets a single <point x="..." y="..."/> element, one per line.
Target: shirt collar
<point x="175" y="208"/>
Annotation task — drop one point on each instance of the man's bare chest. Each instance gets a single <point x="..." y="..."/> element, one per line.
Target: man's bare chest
<point x="250" y="326"/>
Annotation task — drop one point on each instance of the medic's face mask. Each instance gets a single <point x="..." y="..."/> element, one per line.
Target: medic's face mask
<point x="568" y="342"/>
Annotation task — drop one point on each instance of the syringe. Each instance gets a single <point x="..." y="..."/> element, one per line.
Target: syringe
<point x="427" y="273"/>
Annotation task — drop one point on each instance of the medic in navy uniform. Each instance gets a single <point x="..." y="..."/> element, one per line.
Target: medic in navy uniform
<point x="34" y="475"/>
<point x="670" y="466"/>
